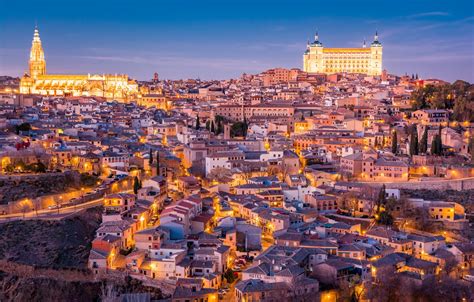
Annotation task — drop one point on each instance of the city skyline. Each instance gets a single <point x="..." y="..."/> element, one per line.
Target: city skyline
<point x="215" y="42"/>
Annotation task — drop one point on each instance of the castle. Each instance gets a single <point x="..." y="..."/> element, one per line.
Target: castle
<point x="112" y="87"/>
<point x="365" y="60"/>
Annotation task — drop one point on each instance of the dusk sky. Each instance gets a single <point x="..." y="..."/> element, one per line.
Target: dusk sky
<point x="223" y="39"/>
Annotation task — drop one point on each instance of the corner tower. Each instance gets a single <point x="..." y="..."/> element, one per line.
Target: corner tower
<point x="313" y="58"/>
<point x="37" y="63"/>
<point x="375" y="66"/>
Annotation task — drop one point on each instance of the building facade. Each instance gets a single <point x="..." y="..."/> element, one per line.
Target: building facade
<point x="114" y="87"/>
<point x="365" y="60"/>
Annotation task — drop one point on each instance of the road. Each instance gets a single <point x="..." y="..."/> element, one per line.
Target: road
<point x="52" y="214"/>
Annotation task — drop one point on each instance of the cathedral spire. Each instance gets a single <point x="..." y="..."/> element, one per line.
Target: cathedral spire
<point x="376" y="37"/>
<point x="37" y="62"/>
<point x="36" y="35"/>
<point x="364" y="45"/>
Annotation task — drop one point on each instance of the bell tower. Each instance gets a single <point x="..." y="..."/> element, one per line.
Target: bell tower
<point x="37" y="63"/>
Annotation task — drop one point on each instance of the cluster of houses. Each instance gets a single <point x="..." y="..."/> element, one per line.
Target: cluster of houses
<point x="270" y="179"/>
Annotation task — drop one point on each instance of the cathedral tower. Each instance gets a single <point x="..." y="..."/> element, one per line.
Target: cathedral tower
<point x="37" y="63"/>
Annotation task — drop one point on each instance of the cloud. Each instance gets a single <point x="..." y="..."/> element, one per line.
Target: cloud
<point x="436" y="57"/>
<point x="280" y="46"/>
<point x="183" y="62"/>
<point x="428" y="14"/>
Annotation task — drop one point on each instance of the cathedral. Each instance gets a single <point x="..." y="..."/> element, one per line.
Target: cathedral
<point x="365" y="60"/>
<point x="111" y="87"/>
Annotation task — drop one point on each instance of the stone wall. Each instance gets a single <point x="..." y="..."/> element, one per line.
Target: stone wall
<point x="444" y="184"/>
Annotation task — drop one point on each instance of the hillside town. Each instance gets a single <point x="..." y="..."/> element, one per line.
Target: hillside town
<point x="278" y="186"/>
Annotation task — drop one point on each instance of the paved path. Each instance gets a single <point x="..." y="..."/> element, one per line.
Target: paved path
<point x="52" y="214"/>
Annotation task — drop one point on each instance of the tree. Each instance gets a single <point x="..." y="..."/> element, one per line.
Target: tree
<point x="471" y="149"/>
<point x="24" y="208"/>
<point x="394" y="142"/>
<point x="136" y="185"/>
<point x="213" y="128"/>
<point x="349" y="202"/>
<point x="229" y="276"/>
<point x="245" y="127"/>
<point x="37" y="204"/>
<point x="414" y="142"/>
<point x="238" y="129"/>
<point x="437" y="144"/>
<point x="157" y="162"/>
<point x="381" y="199"/>
<point x="198" y="123"/>
<point x="350" y="289"/>
<point x="22" y="127"/>
<point x="220" y="174"/>
<point x="219" y="127"/>
<point x="58" y="202"/>
<point x="423" y="147"/>
<point x="385" y="218"/>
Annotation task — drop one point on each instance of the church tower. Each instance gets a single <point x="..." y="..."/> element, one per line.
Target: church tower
<point x="37" y="63"/>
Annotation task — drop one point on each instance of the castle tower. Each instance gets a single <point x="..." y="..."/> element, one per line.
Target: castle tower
<point x="375" y="67"/>
<point x="37" y="63"/>
<point x="313" y="56"/>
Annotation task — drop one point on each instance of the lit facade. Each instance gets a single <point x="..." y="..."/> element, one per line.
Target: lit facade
<point x="365" y="60"/>
<point x="114" y="87"/>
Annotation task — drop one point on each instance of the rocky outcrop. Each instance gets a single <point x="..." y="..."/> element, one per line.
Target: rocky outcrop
<point x="18" y="288"/>
<point x="17" y="187"/>
<point x="52" y="244"/>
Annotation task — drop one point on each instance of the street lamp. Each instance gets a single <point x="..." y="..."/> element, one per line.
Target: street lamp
<point x="60" y="202"/>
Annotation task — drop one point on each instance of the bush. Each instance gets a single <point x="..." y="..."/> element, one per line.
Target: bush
<point x="229" y="276"/>
<point x="88" y="180"/>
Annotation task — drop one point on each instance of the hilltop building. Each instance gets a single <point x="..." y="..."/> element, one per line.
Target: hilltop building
<point x="113" y="87"/>
<point x="365" y="60"/>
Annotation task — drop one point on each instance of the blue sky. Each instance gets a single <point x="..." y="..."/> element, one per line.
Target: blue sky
<point x="223" y="39"/>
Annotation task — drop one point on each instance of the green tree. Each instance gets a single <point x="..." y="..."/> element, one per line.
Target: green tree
<point x="246" y="126"/>
<point x="414" y="142"/>
<point x="136" y="185"/>
<point x="37" y="167"/>
<point x="434" y="145"/>
<point x="198" y="123"/>
<point x="238" y="129"/>
<point x="229" y="276"/>
<point x="423" y="148"/>
<point x="157" y="162"/>
<point x="394" y="142"/>
<point x="381" y="199"/>
<point x="219" y="127"/>
<point x="385" y="218"/>
<point x="213" y="128"/>
<point x="471" y="149"/>
<point x="23" y="127"/>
